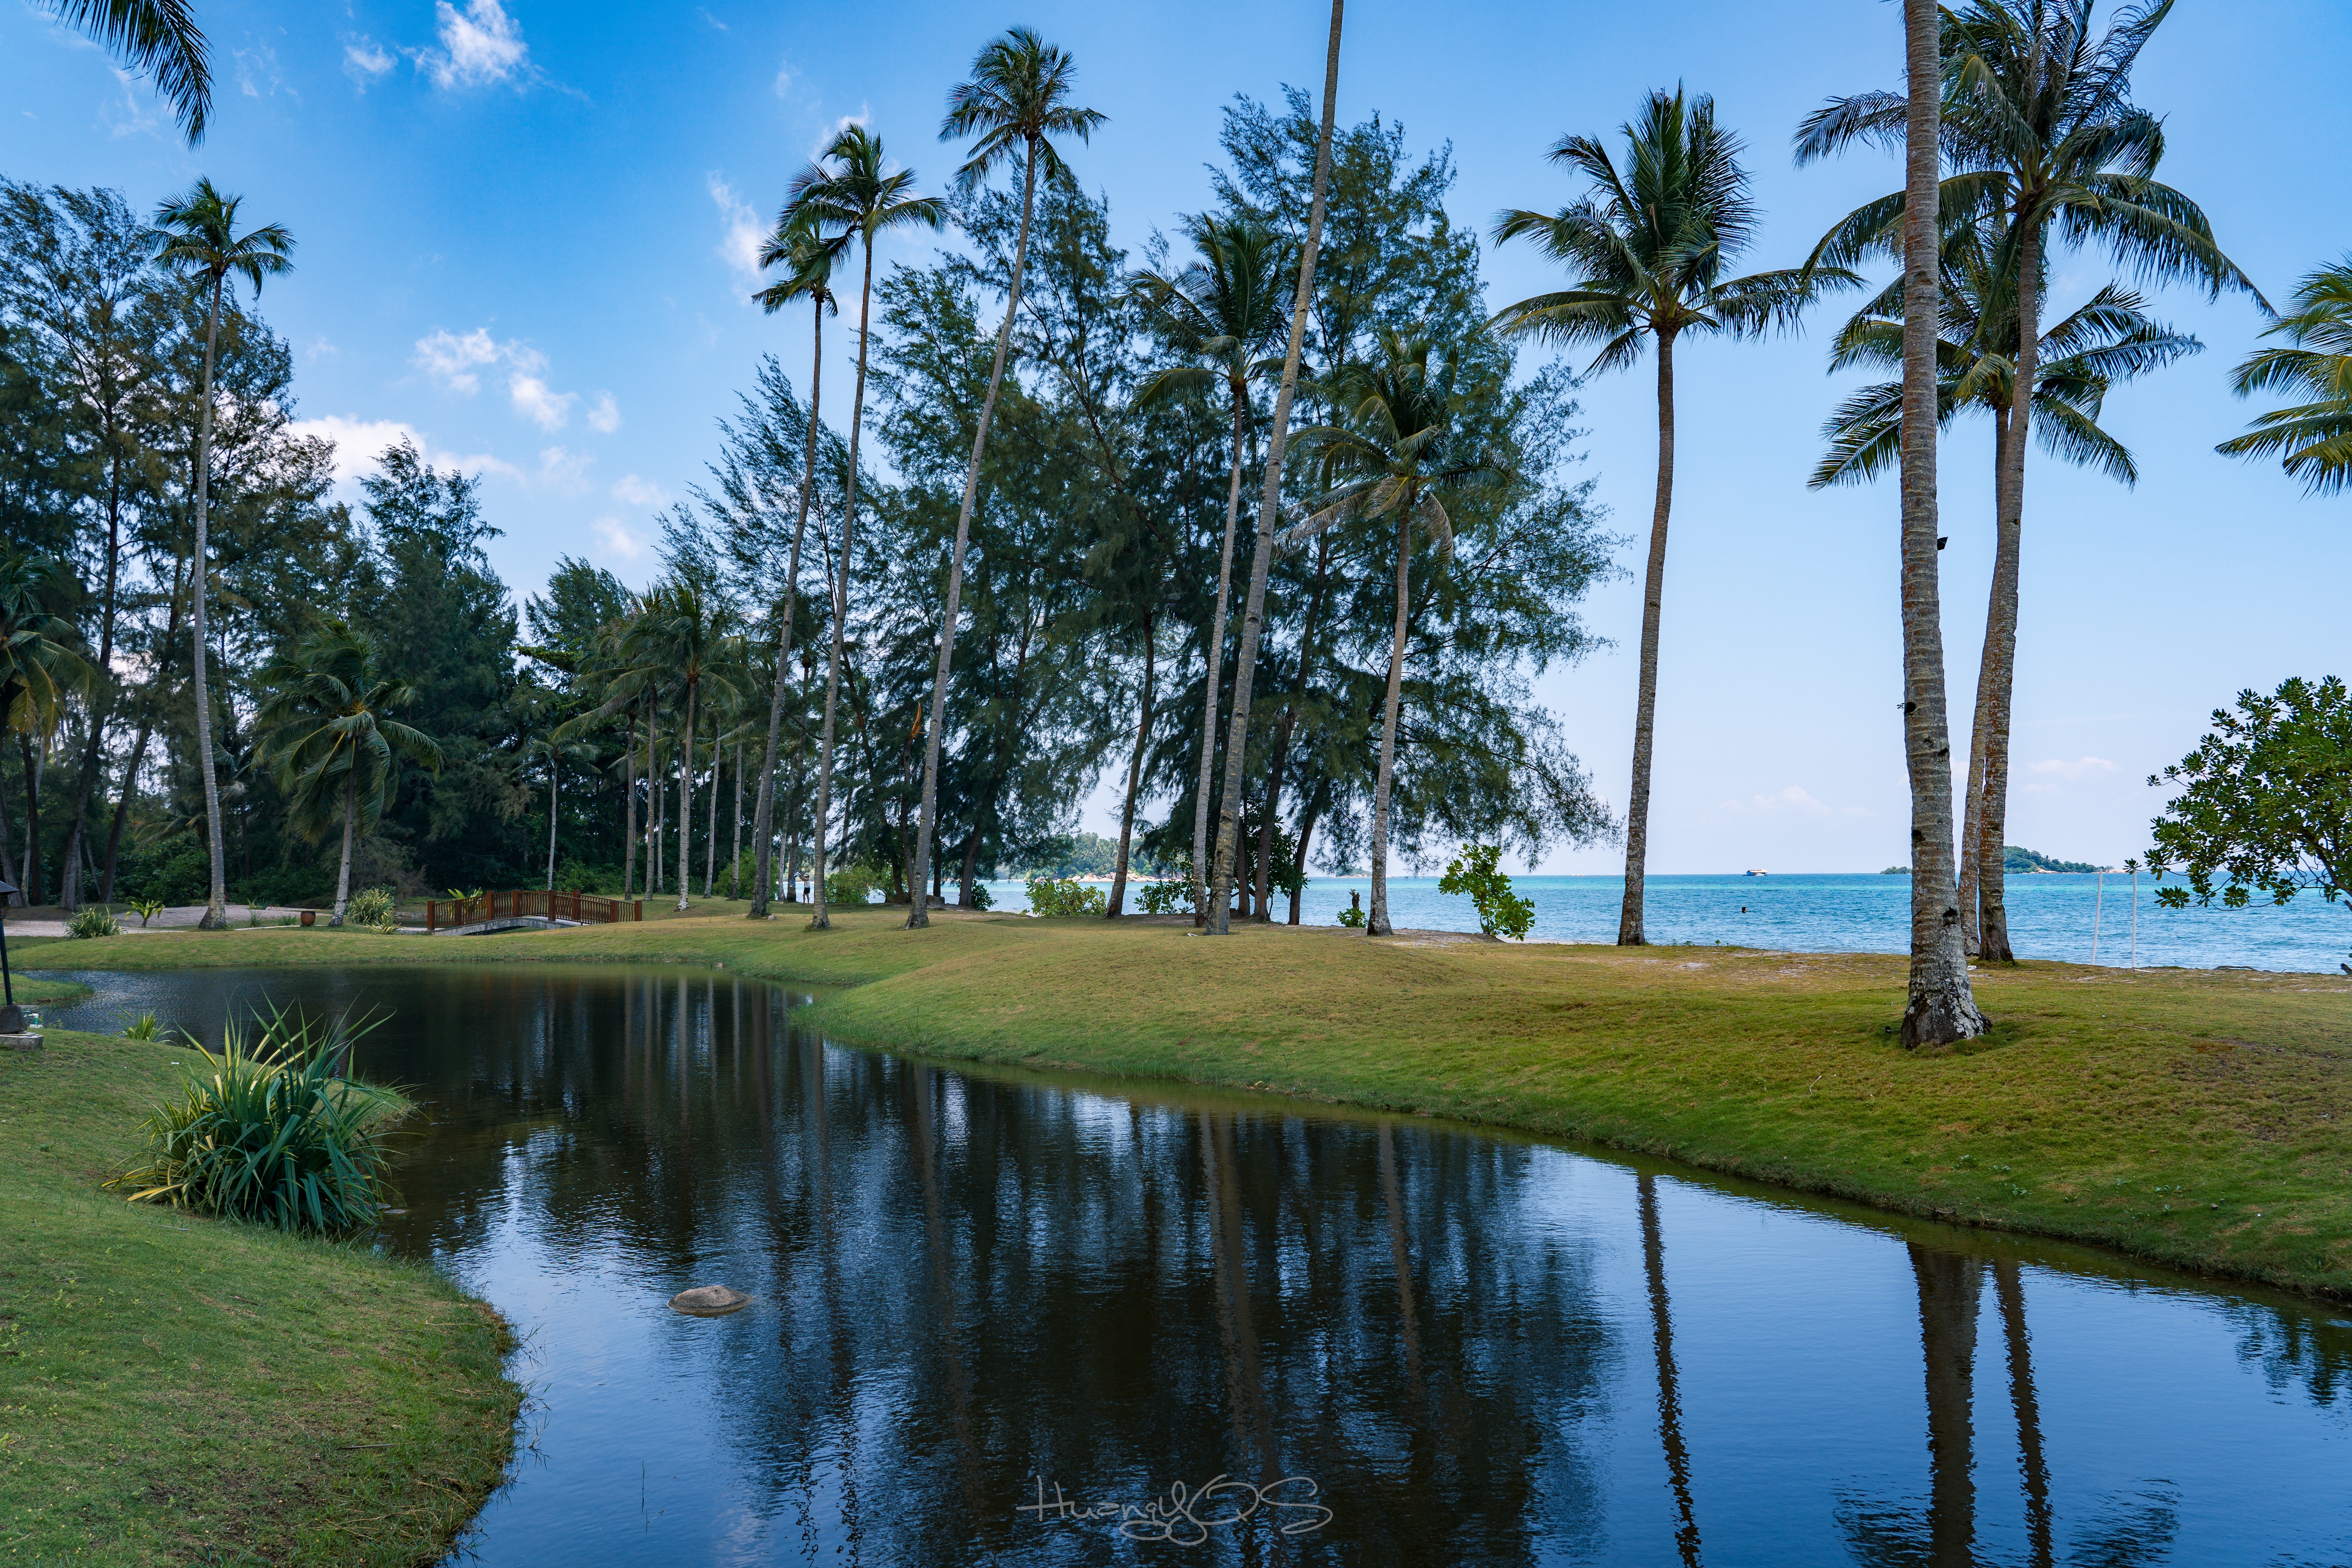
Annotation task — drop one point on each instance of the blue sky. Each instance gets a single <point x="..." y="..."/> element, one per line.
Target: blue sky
<point x="524" y="239"/>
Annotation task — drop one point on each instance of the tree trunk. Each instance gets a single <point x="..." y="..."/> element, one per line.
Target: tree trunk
<point x="1134" y="774"/>
<point x="216" y="904"/>
<point x="1274" y="773"/>
<point x="820" y="919"/>
<point x="686" y="799"/>
<point x="735" y="831"/>
<point x="761" y="812"/>
<point x="970" y="867"/>
<point x="1214" y="656"/>
<point x="7" y="860"/>
<point x="1949" y="1286"/>
<point x="918" y="869"/>
<point x="1941" y="1007"/>
<point x="1298" y="854"/>
<point x="1972" y="802"/>
<point x="139" y="747"/>
<point x="1228" y="819"/>
<point x="554" y="780"/>
<point x="1378" y="923"/>
<point x="2000" y="632"/>
<point x="710" y="822"/>
<point x="31" y="878"/>
<point x="1631" y="932"/>
<point x="351" y="832"/>
<point x="629" y="807"/>
<point x="101" y="702"/>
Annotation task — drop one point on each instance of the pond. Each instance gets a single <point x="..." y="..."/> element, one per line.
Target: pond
<point x="1016" y="1319"/>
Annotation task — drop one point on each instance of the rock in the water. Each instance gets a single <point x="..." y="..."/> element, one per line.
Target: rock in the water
<point x="710" y="1302"/>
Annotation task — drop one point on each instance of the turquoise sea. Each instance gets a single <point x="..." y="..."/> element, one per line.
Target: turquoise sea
<point x="2050" y="917"/>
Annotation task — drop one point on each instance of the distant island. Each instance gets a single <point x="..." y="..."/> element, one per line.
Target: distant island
<point x="2013" y="858"/>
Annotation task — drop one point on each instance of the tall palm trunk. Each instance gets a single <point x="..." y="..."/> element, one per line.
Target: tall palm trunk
<point x="350" y="832"/>
<point x="1941" y="1008"/>
<point x="1229" y="809"/>
<point x="1264" y="879"/>
<point x="554" y="776"/>
<point x="1972" y="802"/>
<point x="216" y="904"/>
<point x="918" y="869"/>
<point x="710" y="822"/>
<point x="686" y="799"/>
<point x="629" y="809"/>
<point x="1377" y="924"/>
<point x="2000" y="634"/>
<point x="1670" y="1402"/>
<point x="1134" y="774"/>
<point x="139" y="746"/>
<point x="820" y="919"/>
<point x="101" y="704"/>
<point x="735" y="828"/>
<point x="1949" y="1286"/>
<point x="763" y="813"/>
<point x="1630" y="930"/>
<point x="1214" y="658"/>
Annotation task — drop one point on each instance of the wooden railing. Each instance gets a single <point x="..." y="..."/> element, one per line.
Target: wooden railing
<point x="522" y="902"/>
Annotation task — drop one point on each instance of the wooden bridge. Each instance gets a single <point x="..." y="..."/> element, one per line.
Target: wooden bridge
<point x="524" y="904"/>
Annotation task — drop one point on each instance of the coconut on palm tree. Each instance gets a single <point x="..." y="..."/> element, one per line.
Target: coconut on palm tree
<point x="1277" y="439"/>
<point x="1396" y="460"/>
<point x="197" y="233"/>
<point x="1220" y="313"/>
<point x="2037" y="123"/>
<point x="2108" y="340"/>
<point x="1646" y="250"/>
<point x="850" y="192"/>
<point x="331" y="743"/>
<point x="159" y="38"/>
<point x="808" y="259"/>
<point x="1016" y="100"/>
<point x="2311" y="439"/>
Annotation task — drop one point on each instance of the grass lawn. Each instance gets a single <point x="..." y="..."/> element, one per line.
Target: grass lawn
<point x="176" y="1390"/>
<point x="2200" y="1118"/>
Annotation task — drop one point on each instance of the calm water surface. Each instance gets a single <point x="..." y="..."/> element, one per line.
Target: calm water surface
<point x="970" y="1289"/>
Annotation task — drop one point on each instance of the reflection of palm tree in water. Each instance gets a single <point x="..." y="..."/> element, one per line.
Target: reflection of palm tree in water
<point x="2033" y="1474"/>
<point x="1253" y="1423"/>
<point x="1949" y="1286"/>
<point x="943" y="1289"/>
<point x="1670" y="1412"/>
<point x="1401" y="1258"/>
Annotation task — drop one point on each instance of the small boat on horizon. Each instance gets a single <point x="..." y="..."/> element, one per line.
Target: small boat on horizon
<point x="1758" y="871"/>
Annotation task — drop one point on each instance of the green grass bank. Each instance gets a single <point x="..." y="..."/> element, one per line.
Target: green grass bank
<point x="178" y="1390"/>
<point x="2195" y="1118"/>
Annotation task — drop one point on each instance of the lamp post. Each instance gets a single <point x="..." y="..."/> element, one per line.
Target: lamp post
<point x="12" y="1017"/>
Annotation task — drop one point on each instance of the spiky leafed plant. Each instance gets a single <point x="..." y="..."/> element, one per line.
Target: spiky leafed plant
<point x="1398" y="460"/>
<point x="1220" y="313"/>
<point x="808" y="259"/>
<point x="2038" y="124"/>
<point x="2108" y="340"/>
<point x="331" y="743"/>
<point x="2312" y="439"/>
<point x="1016" y="100"/>
<point x="1647" y="250"/>
<point x="159" y="38"/>
<point x="197" y="233"/>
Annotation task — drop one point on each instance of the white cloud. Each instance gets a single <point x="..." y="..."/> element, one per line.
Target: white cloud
<point x="480" y="46"/>
<point x="548" y="410"/>
<point x="450" y="359"/>
<point x="631" y="490"/>
<point x="865" y="116"/>
<point x="365" y="60"/>
<point x="359" y="445"/>
<point x="320" y="348"/>
<point x="257" y="75"/>
<point x="743" y="235"/>
<point x="2081" y="767"/>
<point x="564" y="471"/>
<point x="1793" y="798"/>
<point x="784" y="79"/>
<point x="712" y="20"/>
<point x="604" y="415"/>
<point x="616" y="542"/>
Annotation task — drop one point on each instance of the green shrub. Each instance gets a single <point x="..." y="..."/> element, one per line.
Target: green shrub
<point x="93" y="920"/>
<point x="1501" y="912"/>
<point x="370" y="907"/>
<point x="273" y="1132"/>
<point x="853" y="885"/>
<point x="1052" y="898"/>
<point x="980" y="897"/>
<point x="146" y="909"/>
<point x="142" y="1027"/>
<point x="1353" y="916"/>
<point x="1172" y="896"/>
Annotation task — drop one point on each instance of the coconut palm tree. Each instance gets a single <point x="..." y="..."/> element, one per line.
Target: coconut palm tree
<point x="2108" y="340"/>
<point x="159" y="38"/>
<point x="850" y="192"/>
<point x="42" y="665"/>
<point x="330" y="740"/>
<point x="681" y="637"/>
<point x="2037" y="121"/>
<point x="808" y="259"/>
<point x="197" y="233"/>
<point x="1393" y="461"/>
<point x="2313" y="439"/>
<point x="1220" y="312"/>
<point x="1017" y="99"/>
<point x="1269" y="505"/>
<point x="1646" y="250"/>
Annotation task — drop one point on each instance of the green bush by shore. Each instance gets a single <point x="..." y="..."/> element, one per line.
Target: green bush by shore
<point x="2199" y="1119"/>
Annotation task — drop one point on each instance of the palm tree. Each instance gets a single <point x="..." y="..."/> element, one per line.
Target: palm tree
<point x="850" y="192"/>
<point x="1392" y="461"/>
<point x="1017" y="98"/>
<point x="2108" y="340"/>
<point x="1269" y="505"/>
<point x="197" y="233"/>
<point x="808" y="259"/>
<point x="2041" y="130"/>
<point x="2313" y="440"/>
<point x="159" y="37"/>
<point x="1221" y="312"/>
<point x="330" y="741"/>
<point x="1646" y="250"/>
<point x="681" y="637"/>
<point x="41" y="665"/>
